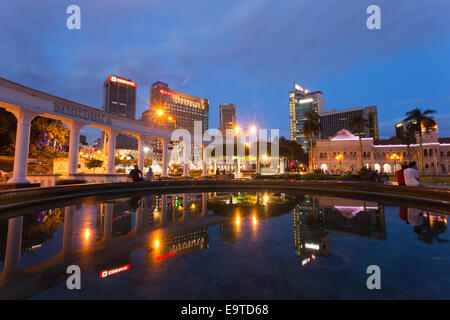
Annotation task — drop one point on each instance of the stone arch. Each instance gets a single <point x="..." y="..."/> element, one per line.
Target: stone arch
<point x="377" y="167"/>
<point x="387" y="168"/>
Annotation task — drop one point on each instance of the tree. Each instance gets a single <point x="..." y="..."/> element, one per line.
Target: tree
<point x="409" y="137"/>
<point x="48" y="139"/>
<point x="422" y="119"/>
<point x="358" y="124"/>
<point x="92" y="163"/>
<point x="311" y="128"/>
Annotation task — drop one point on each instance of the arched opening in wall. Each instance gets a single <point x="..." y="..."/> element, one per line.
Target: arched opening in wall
<point x="48" y="140"/>
<point x="126" y="156"/>
<point x="377" y="167"/>
<point x="387" y="168"/>
<point x="324" y="167"/>
<point x="8" y="129"/>
<point x="425" y="153"/>
<point x="93" y="153"/>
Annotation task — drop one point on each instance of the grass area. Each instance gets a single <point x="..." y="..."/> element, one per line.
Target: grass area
<point x="438" y="180"/>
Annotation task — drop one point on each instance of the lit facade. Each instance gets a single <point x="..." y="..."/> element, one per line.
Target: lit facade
<point x="182" y="108"/>
<point x="227" y="117"/>
<point x="379" y="154"/>
<point x="332" y="121"/>
<point x="302" y="101"/>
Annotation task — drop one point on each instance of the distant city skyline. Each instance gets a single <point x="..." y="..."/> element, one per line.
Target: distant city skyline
<point x="249" y="53"/>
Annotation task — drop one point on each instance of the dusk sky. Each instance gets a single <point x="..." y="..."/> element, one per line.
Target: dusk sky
<point x="246" y="52"/>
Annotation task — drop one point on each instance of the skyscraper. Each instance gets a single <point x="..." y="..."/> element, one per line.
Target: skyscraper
<point x="302" y="101"/>
<point x="332" y="121"/>
<point x="119" y="97"/>
<point x="227" y="117"/>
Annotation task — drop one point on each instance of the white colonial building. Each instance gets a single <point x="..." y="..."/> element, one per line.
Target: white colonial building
<point x="341" y="153"/>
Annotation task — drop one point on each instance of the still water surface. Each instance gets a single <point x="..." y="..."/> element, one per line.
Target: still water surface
<point x="226" y="246"/>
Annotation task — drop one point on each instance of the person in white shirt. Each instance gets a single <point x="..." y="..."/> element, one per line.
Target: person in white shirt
<point x="412" y="175"/>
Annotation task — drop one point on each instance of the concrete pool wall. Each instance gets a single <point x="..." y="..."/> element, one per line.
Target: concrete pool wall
<point x="12" y="200"/>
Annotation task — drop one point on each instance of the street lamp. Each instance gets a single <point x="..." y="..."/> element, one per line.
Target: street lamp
<point x="395" y="157"/>
<point x="339" y="158"/>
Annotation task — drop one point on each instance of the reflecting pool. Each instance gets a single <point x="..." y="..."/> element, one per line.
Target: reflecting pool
<point x="218" y="245"/>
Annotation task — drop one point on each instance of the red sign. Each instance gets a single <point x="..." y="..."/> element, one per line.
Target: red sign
<point x="122" y="81"/>
<point x="165" y="256"/>
<point x="108" y="273"/>
<point x="167" y="93"/>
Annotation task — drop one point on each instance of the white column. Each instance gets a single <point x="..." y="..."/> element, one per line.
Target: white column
<point x="141" y="153"/>
<point x="281" y="166"/>
<point x="205" y="161"/>
<point x="139" y="217"/>
<point x="112" y="135"/>
<point x="75" y="129"/>
<point x="164" y="210"/>
<point x="69" y="214"/>
<point x="13" y="245"/>
<point x="204" y="204"/>
<point x="165" y="155"/>
<point x="24" y="118"/>
<point x="186" y="159"/>
<point x="107" y="220"/>
<point x="185" y="207"/>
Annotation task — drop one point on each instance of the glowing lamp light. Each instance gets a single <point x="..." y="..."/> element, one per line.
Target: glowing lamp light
<point x="156" y="244"/>
<point x="146" y="149"/>
<point x="238" y="220"/>
<point x="237" y="129"/>
<point x="252" y="129"/>
<point x="254" y="221"/>
<point x="87" y="234"/>
<point x="159" y="112"/>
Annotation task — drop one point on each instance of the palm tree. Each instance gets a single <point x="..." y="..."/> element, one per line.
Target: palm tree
<point x="311" y="128"/>
<point x="358" y="124"/>
<point x="409" y="137"/>
<point x="422" y="119"/>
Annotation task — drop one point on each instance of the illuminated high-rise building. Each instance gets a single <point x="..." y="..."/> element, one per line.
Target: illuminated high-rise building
<point x="182" y="108"/>
<point x="301" y="101"/>
<point x="119" y="97"/>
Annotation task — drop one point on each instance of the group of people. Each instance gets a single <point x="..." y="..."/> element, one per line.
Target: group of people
<point x="408" y="175"/>
<point x="136" y="175"/>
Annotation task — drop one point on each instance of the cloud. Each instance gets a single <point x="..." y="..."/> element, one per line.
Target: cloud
<point x="409" y="101"/>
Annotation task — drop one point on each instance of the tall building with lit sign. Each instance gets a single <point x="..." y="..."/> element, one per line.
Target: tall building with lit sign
<point x="119" y="97"/>
<point x="184" y="109"/>
<point x="302" y="101"/>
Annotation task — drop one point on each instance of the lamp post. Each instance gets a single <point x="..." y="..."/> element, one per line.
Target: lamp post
<point x="395" y="157"/>
<point x="339" y="158"/>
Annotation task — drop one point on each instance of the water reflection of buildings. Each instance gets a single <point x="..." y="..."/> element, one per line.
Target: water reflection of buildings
<point x="178" y="244"/>
<point x="319" y="218"/>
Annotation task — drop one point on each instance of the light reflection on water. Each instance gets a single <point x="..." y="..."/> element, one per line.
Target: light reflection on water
<point x="225" y="245"/>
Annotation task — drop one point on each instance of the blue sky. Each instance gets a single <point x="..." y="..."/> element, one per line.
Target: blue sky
<point x="246" y="52"/>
